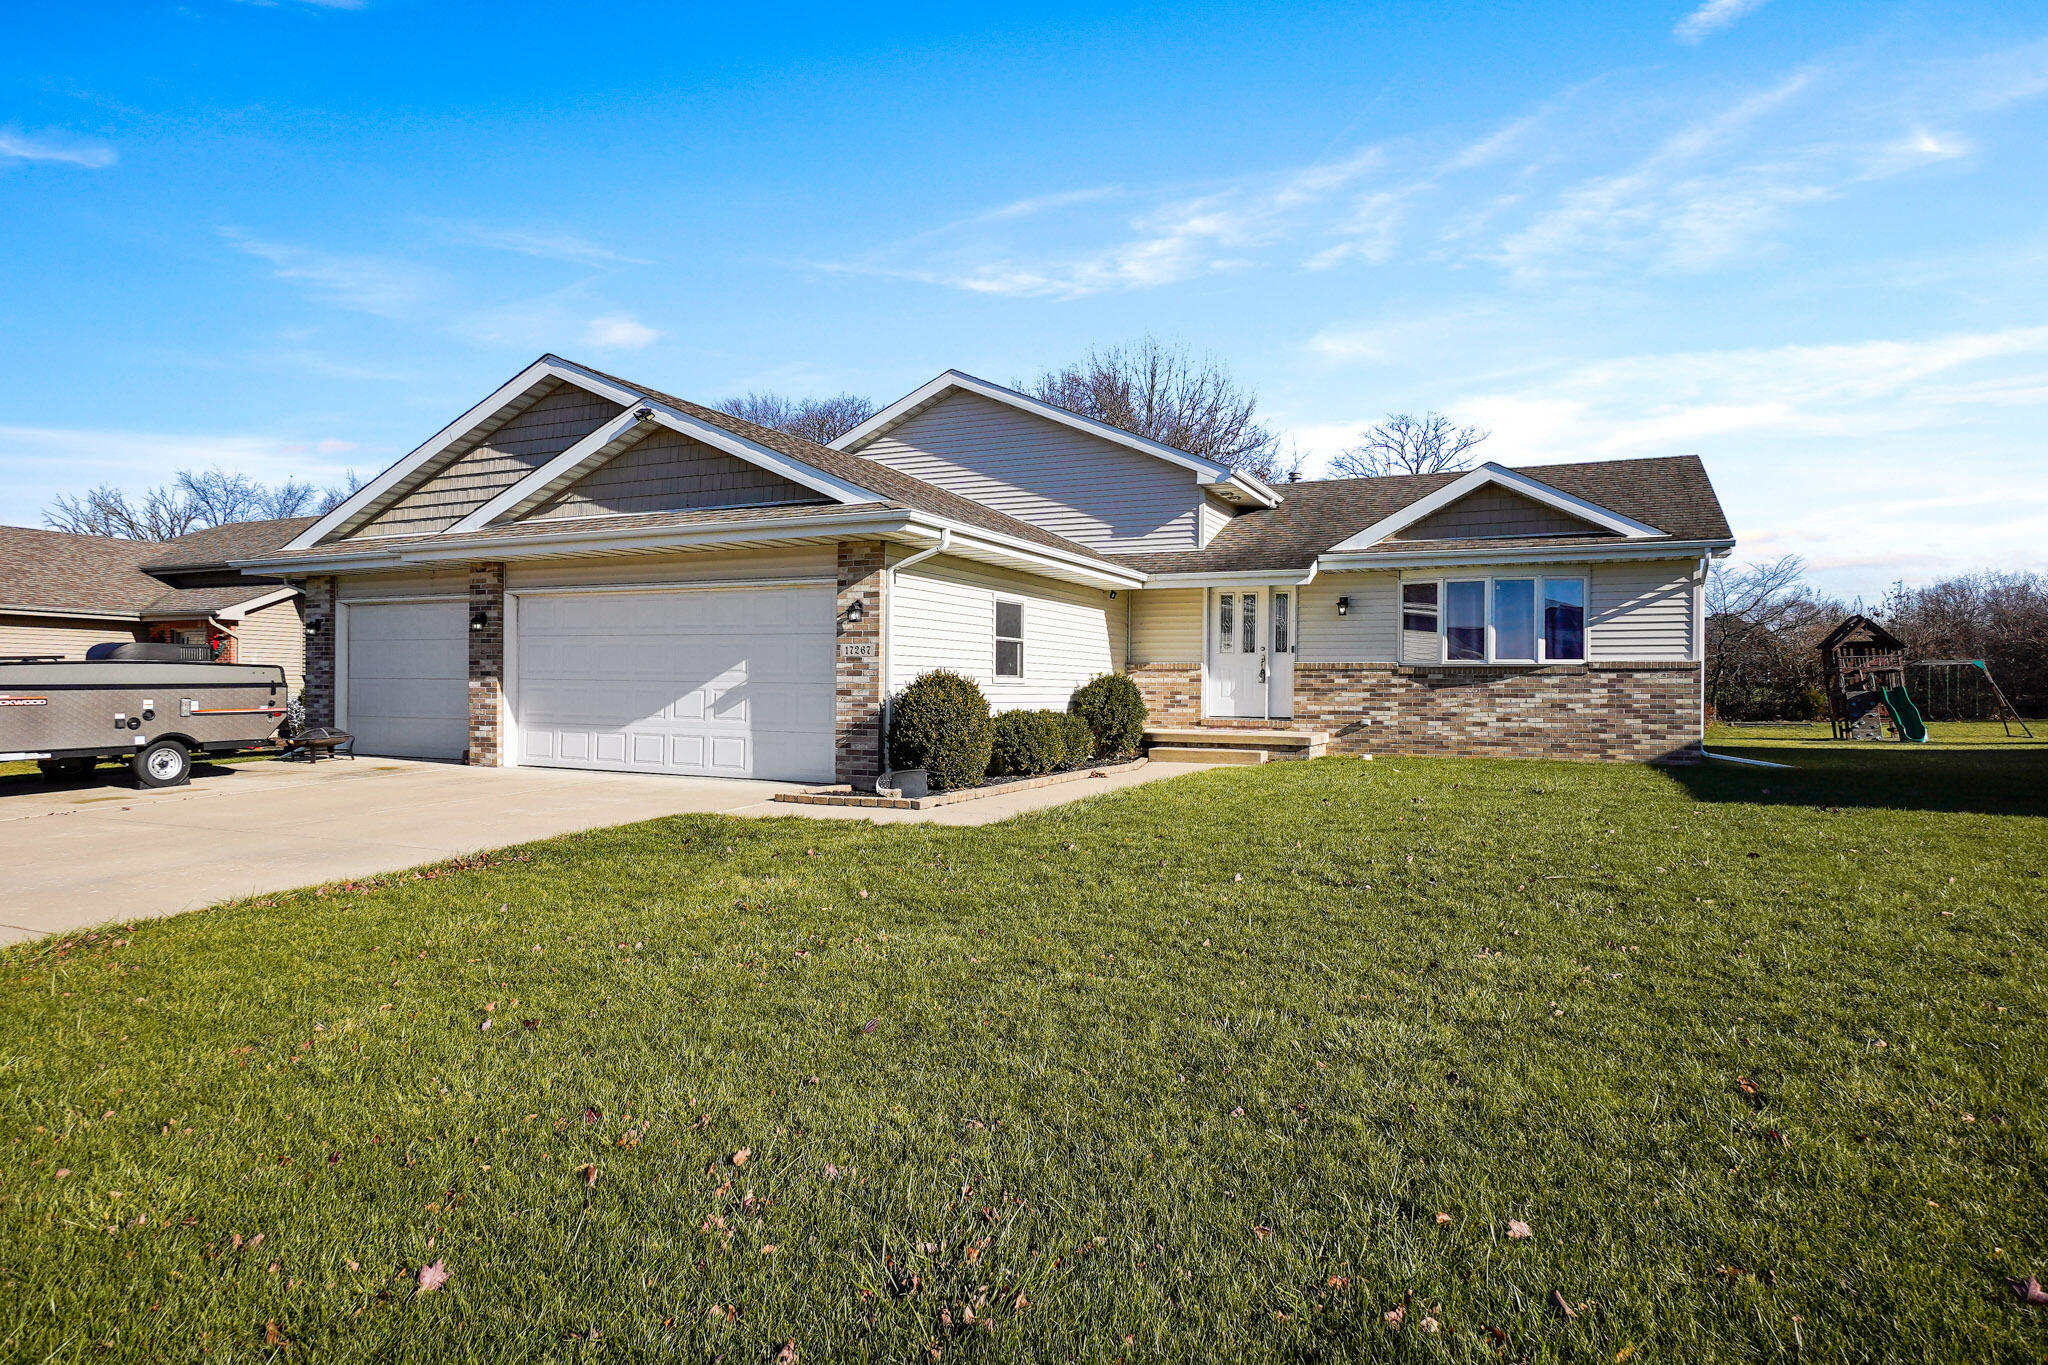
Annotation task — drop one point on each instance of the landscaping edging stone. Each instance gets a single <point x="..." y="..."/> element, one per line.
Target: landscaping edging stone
<point x="845" y="796"/>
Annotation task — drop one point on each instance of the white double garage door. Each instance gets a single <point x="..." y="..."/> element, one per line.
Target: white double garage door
<point x="708" y="681"/>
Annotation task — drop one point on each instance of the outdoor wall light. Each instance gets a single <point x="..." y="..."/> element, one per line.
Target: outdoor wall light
<point x="1343" y="606"/>
<point x="313" y="624"/>
<point x="856" y="613"/>
<point x="478" y="621"/>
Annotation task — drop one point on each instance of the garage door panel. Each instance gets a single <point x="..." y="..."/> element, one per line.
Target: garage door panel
<point x="408" y="679"/>
<point x="726" y="682"/>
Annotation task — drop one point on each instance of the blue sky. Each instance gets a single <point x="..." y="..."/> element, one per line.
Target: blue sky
<point x="1804" y="240"/>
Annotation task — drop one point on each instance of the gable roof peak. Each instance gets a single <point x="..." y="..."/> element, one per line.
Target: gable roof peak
<point x="1229" y="483"/>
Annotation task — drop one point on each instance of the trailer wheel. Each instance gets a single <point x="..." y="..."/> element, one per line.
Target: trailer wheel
<point x="163" y="764"/>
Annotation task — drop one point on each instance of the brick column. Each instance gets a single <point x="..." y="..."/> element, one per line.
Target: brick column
<point x="858" y="754"/>
<point x="486" y="665"/>
<point x="319" y="606"/>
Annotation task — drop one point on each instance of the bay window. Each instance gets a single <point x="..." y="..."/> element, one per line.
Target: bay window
<point x="1505" y="619"/>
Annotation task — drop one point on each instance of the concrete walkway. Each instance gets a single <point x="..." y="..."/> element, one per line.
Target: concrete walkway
<point x="81" y="853"/>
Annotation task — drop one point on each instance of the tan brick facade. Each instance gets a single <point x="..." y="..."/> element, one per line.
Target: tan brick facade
<point x="1172" y="692"/>
<point x="486" y="665"/>
<point x="1629" y="712"/>
<point x="858" y="748"/>
<point x="319" y="608"/>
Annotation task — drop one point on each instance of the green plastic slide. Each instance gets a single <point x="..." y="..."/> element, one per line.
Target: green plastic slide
<point x="1911" y="727"/>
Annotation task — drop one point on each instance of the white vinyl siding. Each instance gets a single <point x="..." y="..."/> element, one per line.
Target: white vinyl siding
<point x="68" y="639"/>
<point x="1068" y="482"/>
<point x="275" y="635"/>
<point x="1166" y="626"/>
<point x="1641" y="611"/>
<point x="1368" y="633"/>
<point x="942" y="615"/>
<point x="1214" y="516"/>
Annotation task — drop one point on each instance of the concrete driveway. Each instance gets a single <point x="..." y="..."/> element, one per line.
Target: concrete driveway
<point x="84" y="853"/>
<point x="80" y="853"/>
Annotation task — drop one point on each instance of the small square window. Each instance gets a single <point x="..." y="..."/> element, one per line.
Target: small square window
<point x="1009" y="639"/>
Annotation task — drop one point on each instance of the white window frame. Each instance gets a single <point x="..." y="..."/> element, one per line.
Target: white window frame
<point x="996" y="639"/>
<point x="1492" y="659"/>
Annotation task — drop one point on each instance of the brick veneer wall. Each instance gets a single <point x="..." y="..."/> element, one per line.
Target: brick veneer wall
<point x="858" y="719"/>
<point x="486" y="665"/>
<point x="1634" y="712"/>
<point x="1172" y="692"/>
<point x="319" y="606"/>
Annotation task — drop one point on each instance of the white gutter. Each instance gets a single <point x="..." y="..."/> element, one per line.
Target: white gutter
<point x="1667" y="549"/>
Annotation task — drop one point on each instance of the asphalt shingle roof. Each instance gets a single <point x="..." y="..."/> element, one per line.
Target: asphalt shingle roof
<point x="60" y="571"/>
<point x="1671" y="494"/>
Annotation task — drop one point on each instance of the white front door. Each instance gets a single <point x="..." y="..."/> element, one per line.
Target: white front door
<point x="1251" y="653"/>
<point x="407" y="692"/>
<point x="719" y="682"/>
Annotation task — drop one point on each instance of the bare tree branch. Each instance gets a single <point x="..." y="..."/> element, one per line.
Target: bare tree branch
<point x="823" y="420"/>
<point x="1404" y="444"/>
<point x="1162" y="393"/>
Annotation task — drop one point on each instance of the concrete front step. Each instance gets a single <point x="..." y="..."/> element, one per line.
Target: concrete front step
<point x="1192" y="754"/>
<point x="1214" y="739"/>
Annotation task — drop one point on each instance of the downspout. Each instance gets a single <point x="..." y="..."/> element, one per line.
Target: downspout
<point x="938" y="547"/>
<point x="1699" y="640"/>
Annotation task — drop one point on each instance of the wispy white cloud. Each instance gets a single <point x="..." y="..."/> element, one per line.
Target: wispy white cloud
<point x="42" y="462"/>
<point x="56" y="146"/>
<point x="540" y="243"/>
<point x="361" y="283"/>
<point x="1711" y="17"/>
<point x="619" y="332"/>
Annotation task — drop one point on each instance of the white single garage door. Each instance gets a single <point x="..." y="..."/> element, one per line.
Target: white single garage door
<point x="408" y="678"/>
<point x="714" y="682"/>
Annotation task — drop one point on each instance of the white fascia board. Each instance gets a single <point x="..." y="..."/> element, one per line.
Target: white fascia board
<point x="1504" y="477"/>
<point x="1332" y="561"/>
<point x="879" y="521"/>
<point x="1261" y="578"/>
<point x="548" y="366"/>
<point x="268" y="599"/>
<point x="1207" y="472"/>
<point x="67" y="613"/>
<point x="1041" y="559"/>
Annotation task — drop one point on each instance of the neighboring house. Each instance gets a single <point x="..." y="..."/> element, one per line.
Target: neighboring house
<point x="61" y="594"/>
<point x="583" y="572"/>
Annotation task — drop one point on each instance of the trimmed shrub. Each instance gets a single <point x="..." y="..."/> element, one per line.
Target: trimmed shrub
<point x="1079" y="739"/>
<point x="1115" y="712"/>
<point x="1028" y="743"/>
<point x="940" y="723"/>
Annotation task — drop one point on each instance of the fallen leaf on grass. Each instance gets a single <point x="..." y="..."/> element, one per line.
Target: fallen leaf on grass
<point x="770" y="1249"/>
<point x="743" y="1156"/>
<point x="1428" y="1324"/>
<point x="1442" y="1219"/>
<point x="787" y="1355"/>
<point x="2029" y="1291"/>
<point x="1518" y="1230"/>
<point x="273" y="1335"/>
<point x="589" y="1173"/>
<point x="1557" y="1301"/>
<point x="1262" y="1233"/>
<point x="1393" y="1317"/>
<point x="433" y="1276"/>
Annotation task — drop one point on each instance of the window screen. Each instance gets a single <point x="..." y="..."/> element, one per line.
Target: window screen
<point x="1009" y="639"/>
<point x="1418" y="607"/>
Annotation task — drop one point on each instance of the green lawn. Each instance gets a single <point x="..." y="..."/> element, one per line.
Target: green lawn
<point x="1227" y="1067"/>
